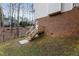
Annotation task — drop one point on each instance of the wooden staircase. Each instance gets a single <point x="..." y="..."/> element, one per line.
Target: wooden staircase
<point x="30" y="34"/>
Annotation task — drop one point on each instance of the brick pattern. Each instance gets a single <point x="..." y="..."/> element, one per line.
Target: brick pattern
<point x="63" y="24"/>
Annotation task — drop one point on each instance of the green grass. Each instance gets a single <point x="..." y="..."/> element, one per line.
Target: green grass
<point x="66" y="45"/>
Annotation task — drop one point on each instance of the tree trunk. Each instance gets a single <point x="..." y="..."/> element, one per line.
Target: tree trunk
<point x="18" y="12"/>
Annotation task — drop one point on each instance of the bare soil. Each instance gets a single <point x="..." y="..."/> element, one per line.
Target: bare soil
<point x="6" y="34"/>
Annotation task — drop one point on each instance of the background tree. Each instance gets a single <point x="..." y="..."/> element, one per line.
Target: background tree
<point x="1" y="12"/>
<point x="18" y="17"/>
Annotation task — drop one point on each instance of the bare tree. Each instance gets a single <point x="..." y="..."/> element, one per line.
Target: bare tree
<point x="18" y="17"/>
<point x="1" y="12"/>
<point x="12" y="15"/>
<point x="2" y="25"/>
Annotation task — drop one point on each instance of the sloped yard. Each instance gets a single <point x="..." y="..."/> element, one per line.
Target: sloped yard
<point x="66" y="45"/>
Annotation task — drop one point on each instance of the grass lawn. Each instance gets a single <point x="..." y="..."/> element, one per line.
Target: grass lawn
<point x="67" y="45"/>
